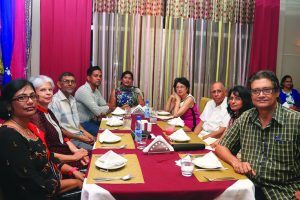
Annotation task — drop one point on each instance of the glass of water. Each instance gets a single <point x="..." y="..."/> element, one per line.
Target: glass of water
<point x="187" y="166"/>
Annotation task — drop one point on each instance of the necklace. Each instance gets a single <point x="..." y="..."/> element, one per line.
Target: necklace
<point x="23" y="131"/>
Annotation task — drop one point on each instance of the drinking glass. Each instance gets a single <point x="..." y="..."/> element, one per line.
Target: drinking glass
<point x="187" y="167"/>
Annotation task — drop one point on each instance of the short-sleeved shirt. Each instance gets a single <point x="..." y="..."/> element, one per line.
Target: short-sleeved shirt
<point x="90" y="104"/>
<point x="273" y="152"/>
<point x="127" y="95"/>
<point x="65" y="111"/>
<point x="215" y="117"/>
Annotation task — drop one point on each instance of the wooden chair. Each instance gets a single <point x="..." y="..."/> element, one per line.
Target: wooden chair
<point x="202" y="103"/>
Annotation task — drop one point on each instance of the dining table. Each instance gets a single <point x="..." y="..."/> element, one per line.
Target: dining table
<point x="156" y="175"/>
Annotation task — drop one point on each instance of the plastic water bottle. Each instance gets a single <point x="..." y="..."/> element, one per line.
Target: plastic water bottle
<point x="147" y="111"/>
<point x="138" y="129"/>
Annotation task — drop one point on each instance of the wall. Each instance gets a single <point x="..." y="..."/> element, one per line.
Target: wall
<point x="288" y="54"/>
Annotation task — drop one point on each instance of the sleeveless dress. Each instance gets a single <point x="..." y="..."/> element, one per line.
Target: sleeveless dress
<point x="191" y="116"/>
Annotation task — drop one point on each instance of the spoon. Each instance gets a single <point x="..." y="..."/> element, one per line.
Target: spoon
<point x="114" y="147"/>
<point x="123" y="178"/>
<point x="220" y="178"/>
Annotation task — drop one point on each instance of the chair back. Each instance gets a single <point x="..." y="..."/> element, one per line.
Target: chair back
<point x="202" y="104"/>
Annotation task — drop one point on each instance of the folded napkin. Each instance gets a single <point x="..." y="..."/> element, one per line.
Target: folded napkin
<point x="210" y="140"/>
<point x="176" y="122"/>
<point x="110" y="160"/>
<point x="118" y="111"/>
<point x="158" y="145"/>
<point x="108" y="136"/>
<point x="138" y="110"/>
<point x="114" y="121"/>
<point x="203" y="133"/>
<point x="180" y="136"/>
<point x="188" y="146"/>
<point x="208" y="161"/>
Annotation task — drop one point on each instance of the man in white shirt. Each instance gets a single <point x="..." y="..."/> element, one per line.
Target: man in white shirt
<point x="214" y="118"/>
<point x="90" y="103"/>
<point x="64" y="107"/>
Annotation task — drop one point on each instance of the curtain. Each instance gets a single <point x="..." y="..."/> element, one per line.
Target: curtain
<point x="65" y="38"/>
<point x="202" y="40"/>
<point x="8" y="12"/>
<point x="265" y="36"/>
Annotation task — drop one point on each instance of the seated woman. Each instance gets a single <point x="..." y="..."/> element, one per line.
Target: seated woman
<point x="44" y="118"/>
<point x="182" y="104"/>
<point x="239" y="100"/>
<point x="29" y="170"/>
<point x="289" y="97"/>
<point x="126" y="95"/>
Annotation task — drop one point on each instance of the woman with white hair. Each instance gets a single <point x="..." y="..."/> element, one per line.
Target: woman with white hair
<point x="44" y="118"/>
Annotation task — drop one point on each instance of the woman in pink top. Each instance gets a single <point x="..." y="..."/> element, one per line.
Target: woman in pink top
<point x="182" y="104"/>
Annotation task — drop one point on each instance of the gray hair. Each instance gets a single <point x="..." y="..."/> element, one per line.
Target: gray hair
<point x="39" y="80"/>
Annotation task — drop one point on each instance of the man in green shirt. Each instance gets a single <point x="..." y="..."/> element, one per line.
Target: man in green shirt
<point x="269" y="139"/>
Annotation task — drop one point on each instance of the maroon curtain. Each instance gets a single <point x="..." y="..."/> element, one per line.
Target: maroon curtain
<point x="265" y="36"/>
<point x="65" y="37"/>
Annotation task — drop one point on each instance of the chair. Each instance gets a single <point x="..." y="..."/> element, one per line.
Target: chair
<point x="202" y="103"/>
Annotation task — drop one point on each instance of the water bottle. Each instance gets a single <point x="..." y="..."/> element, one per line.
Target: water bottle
<point x="138" y="129"/>
<point x="147" y="111"/>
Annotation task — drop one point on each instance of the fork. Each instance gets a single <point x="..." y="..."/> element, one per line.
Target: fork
<point x="225" y="178"/>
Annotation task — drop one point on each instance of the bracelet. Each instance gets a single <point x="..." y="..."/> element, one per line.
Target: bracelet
<point x="72" y="170"/>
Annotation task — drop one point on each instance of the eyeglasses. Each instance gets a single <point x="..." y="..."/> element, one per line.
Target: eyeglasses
<point x="263" y="90"/>
<point x="67" y="82"/>
<point x="25" y="98"/>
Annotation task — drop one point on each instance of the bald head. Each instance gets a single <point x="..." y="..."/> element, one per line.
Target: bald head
<point x="218" y="92"/>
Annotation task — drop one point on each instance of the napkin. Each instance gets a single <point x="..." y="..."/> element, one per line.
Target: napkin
<point x="118" y="111"/>
<point x="176" y="122"/>
<point x="138" y="110"/>
<point x="158" y="145"/>
<point x="108" y="136"/>
<point x="203" y="133"/>
<point x="111" y="159"/>
<point x="114" y="121"/>
<point x="208" y="161"/>
<point x="180" y="136"/>
<point x="210" y="140"/>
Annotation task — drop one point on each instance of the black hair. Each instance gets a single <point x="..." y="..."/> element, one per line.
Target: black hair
<point x="8" y="92"/>
<point x="183" y="81"/>
<point x="65" y="74"/>
<point x="245" y="95"/>
<point x="284" y="79"/>
<point x="127" y="72"/>
<point x="90" y="70"/>
<point x="265" y="74"/>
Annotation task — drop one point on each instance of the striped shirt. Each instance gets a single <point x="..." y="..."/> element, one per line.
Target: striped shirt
<point x="273" y="152"/>
<point x="90" y="104"/>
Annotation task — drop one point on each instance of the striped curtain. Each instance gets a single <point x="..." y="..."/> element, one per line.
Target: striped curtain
<point x="203" y="40"/>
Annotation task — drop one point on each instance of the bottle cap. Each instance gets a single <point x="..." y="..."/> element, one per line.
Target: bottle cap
<point x="138" y="117"/>
<point x="147" y="101"/>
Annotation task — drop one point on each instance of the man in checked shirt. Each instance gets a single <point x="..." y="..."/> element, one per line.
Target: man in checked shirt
<point x="268" y="136"/>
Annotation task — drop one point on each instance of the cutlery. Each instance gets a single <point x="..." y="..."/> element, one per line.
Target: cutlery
<point x="123" y="178"/>
<point x="212" y="169"/>
<point x="114" y="147"/>
<point x="220" y="178"/>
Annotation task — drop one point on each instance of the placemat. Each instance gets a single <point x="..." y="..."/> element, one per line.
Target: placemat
<point x="132" y="167"/>
<point x="200" y="175"/>
<point x="163" y="125"/>
<point x="126" y="139"/>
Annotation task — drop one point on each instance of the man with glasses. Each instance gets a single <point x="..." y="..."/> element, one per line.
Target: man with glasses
<point x="268" y="136"/>
<point x="65" y="110"/>
<point x="215" y="117"/>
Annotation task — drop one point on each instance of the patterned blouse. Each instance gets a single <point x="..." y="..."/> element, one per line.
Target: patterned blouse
<point x="52" y="136"/>
<point x="26" y="171"/>
<point x="128" y="95"/>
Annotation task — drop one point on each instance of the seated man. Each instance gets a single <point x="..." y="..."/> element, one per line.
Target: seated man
<point x="215" y="117"/>
<point x="268" y="137"/>
<point x="90" y="103"/>
<point x="64" y="107"/>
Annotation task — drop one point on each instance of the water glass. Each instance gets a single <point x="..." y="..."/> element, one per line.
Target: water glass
<point x="153" y="117"/>
<point x="142" y="142"/>
<point x="187" y="167"/>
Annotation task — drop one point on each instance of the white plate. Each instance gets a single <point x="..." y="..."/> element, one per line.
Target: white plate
<point x="201" y="165"/>
<point x="162" y="112"/>
<point x="181" y="139"/>
<point x="113" y="125"/>
<point x="111" y="140"/>
<point x="103" y="165"/>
